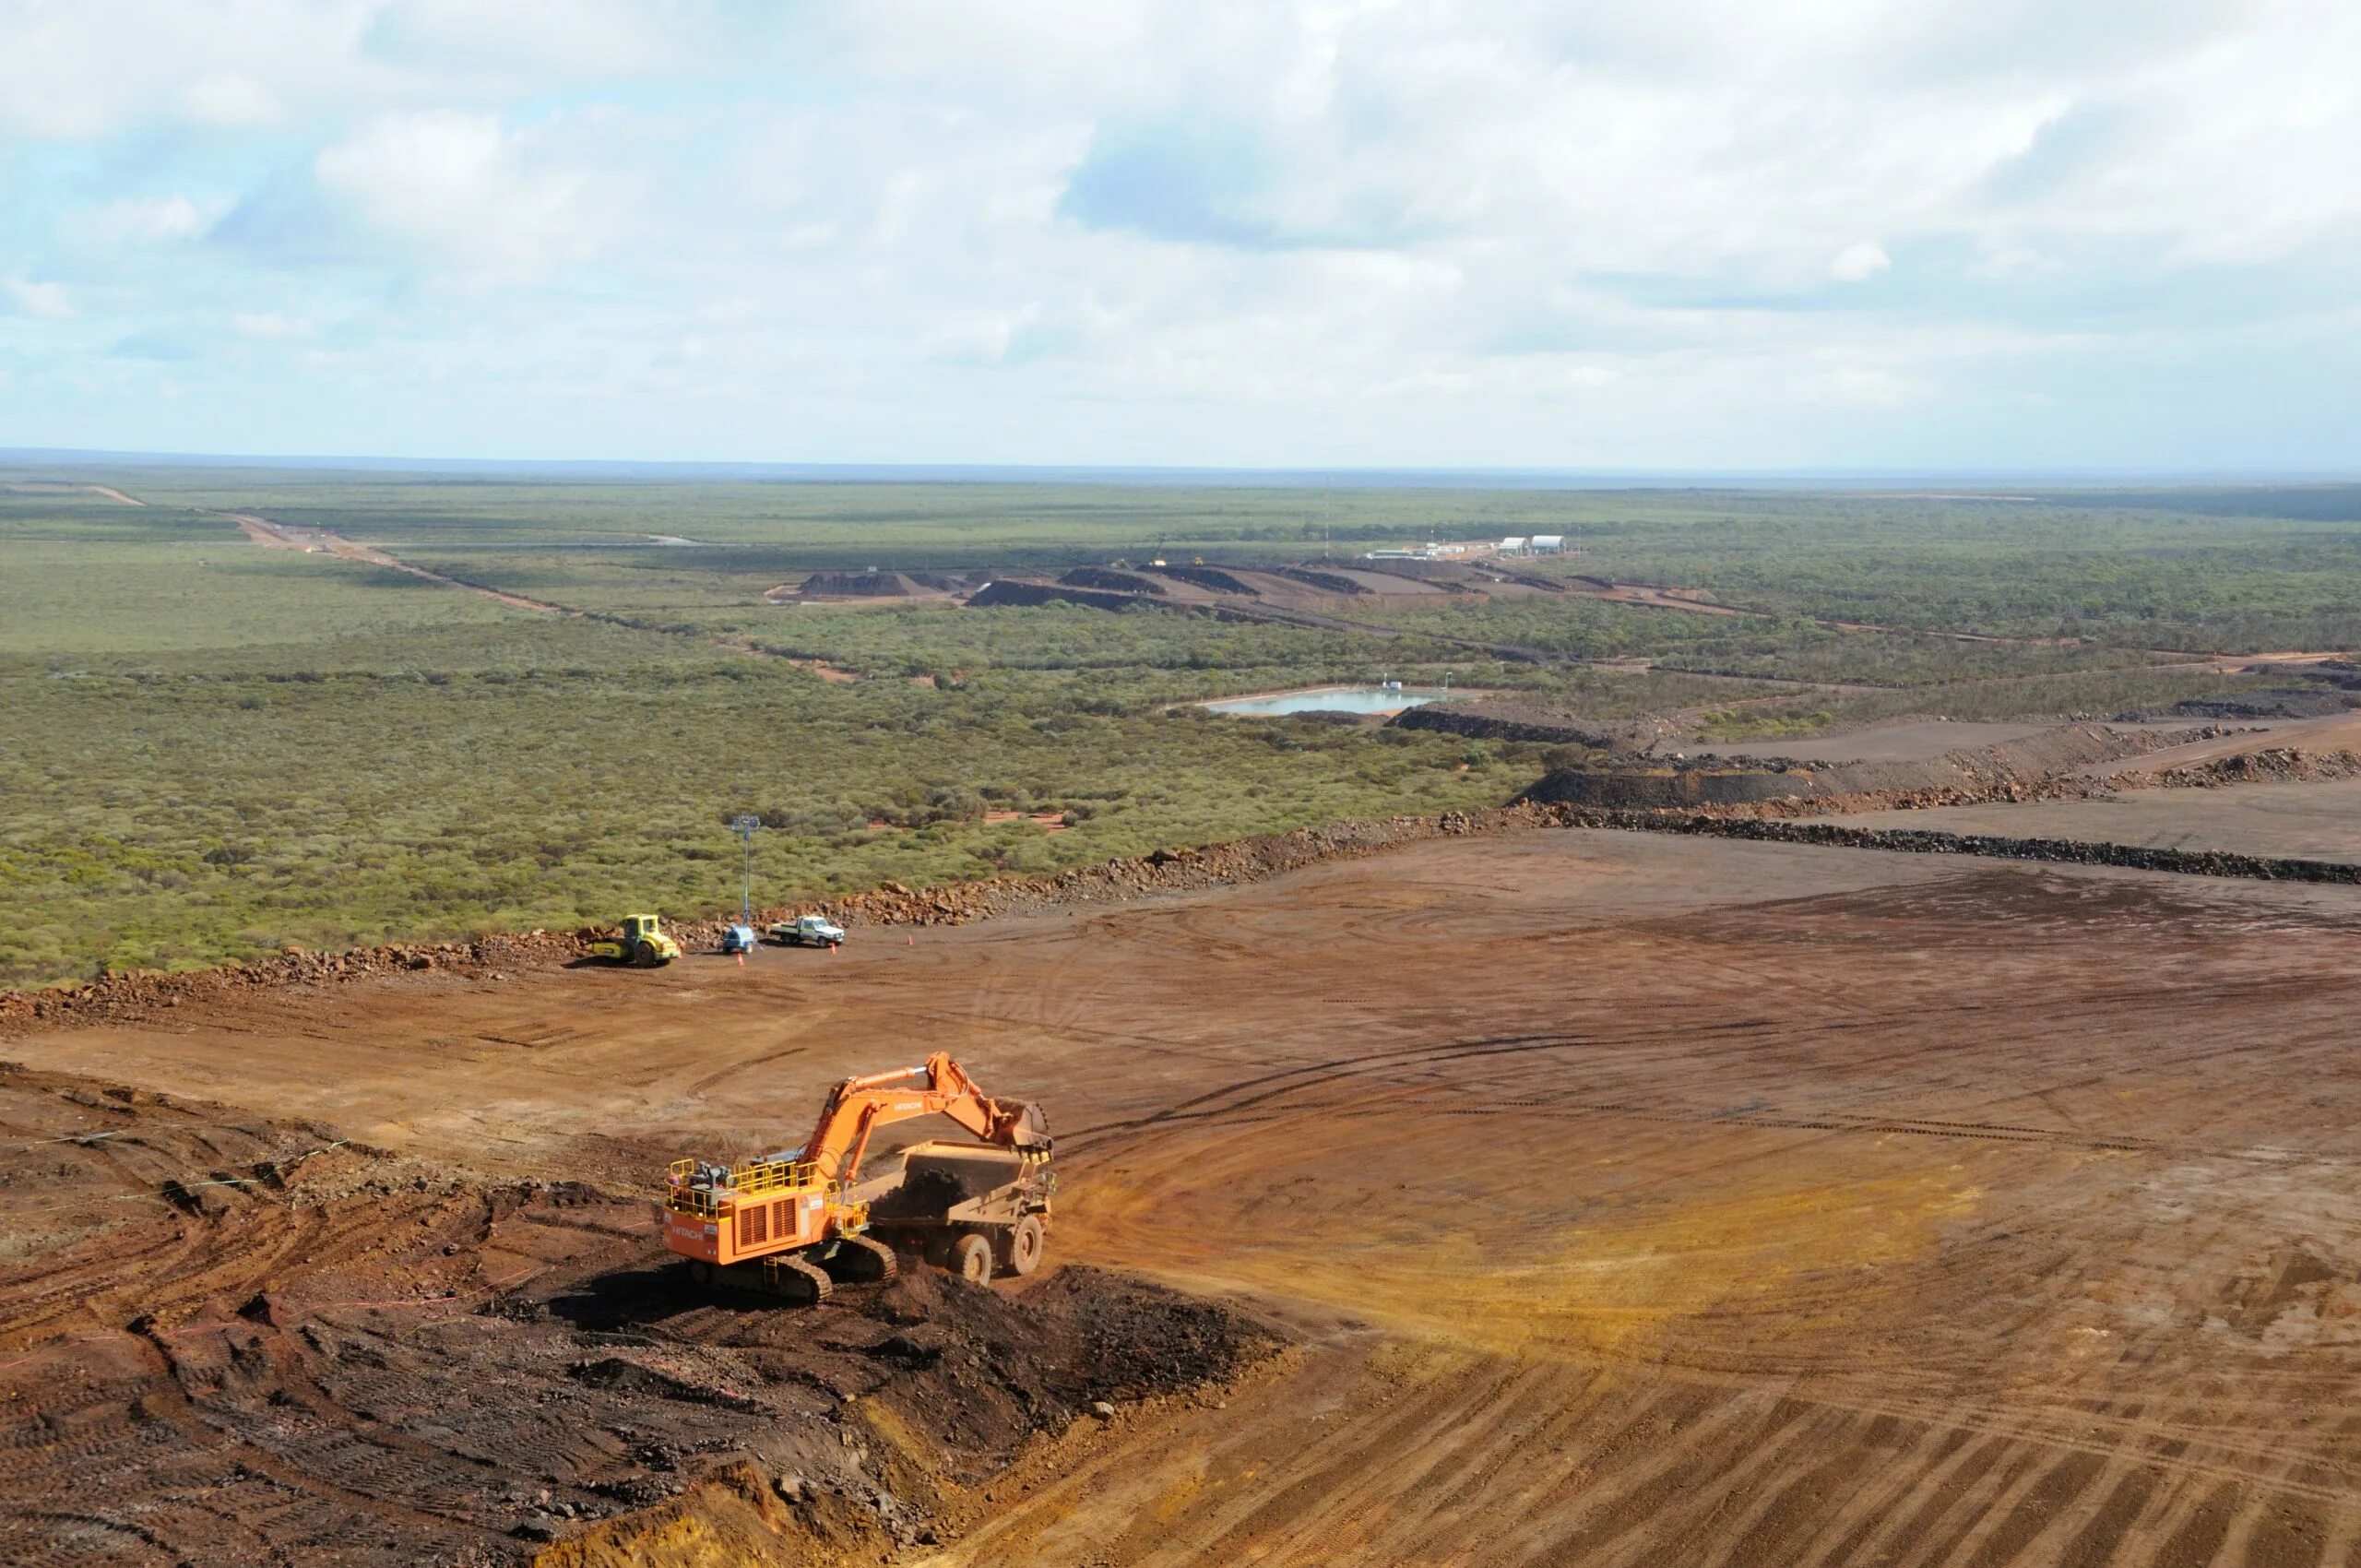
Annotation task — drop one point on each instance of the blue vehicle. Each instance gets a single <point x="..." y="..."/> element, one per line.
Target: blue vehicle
<point x="738" y="938"/>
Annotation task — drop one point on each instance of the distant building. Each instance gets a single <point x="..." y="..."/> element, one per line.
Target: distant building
<point x="1548" y="544"/>
<point x="1512" y="546"/>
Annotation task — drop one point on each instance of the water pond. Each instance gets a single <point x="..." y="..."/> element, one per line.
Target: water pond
<point x="1335" y="699"/>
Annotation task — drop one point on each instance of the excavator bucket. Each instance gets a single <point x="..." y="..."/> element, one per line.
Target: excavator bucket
<point x="1032" y="1130"/>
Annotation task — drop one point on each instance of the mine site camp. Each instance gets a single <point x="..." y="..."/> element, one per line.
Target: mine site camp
<point x="1427" y="784"/>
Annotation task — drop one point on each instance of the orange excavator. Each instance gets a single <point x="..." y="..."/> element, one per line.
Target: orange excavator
<point x="797" y="1224"/>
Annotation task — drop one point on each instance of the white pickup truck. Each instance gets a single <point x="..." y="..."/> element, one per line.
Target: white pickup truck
<point x="808" y="931"/>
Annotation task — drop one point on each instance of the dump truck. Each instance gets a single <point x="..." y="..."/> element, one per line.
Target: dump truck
<point x="798" y="1223"/>
<point x="639" y="941"/>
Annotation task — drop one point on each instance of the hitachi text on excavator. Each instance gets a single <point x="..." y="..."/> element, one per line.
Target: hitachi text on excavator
<point x="798" y="1223"/>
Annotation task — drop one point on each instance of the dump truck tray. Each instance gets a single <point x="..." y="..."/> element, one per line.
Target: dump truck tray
<point x="947" y="1185"/>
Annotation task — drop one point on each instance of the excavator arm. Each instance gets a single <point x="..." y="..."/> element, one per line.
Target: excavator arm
<point x="858" y="1107"/>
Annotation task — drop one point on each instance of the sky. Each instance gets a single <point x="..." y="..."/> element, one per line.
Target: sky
<point x="1633" y="234"/>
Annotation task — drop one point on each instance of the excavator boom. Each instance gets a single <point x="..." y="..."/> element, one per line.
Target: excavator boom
<point x="858" y="1107"/>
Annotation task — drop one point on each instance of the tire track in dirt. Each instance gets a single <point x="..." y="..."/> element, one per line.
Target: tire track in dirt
<point x="1861" y="1211"/>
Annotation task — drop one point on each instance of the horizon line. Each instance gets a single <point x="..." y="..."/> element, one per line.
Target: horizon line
<point x="1292" y="476"/>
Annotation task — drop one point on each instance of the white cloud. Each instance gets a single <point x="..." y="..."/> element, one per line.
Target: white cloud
<point x="574" y="37"/>
<point x="270" y="324"/>
<point x="48" y="301"/>
<point x="229" y="99"/>
<point x="2004" y="260"/>
<point x="985" y="339"/>
<point x="1859" y="262"/>
<point x="79" y="69"/>
<point x="146" y="221"/>
<point x="1858" y="387"/>
<point x="463" y="192"/>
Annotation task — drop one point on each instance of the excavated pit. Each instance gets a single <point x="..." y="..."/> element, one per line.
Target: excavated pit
<point x="224" y="1339"/>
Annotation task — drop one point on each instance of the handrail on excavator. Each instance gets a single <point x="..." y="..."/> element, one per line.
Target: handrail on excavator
<point x="684" y="1195"/>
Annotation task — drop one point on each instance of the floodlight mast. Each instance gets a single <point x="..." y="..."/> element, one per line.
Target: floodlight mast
<point x="745" y="828"/>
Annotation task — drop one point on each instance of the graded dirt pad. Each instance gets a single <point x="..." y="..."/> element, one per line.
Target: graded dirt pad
<point x="1634" y="1200"/>
<point x="1922" y="740"/>
<point x="2340" y="732"/>
<point x="2313" y="821"/>
<point x="870" y="584"/>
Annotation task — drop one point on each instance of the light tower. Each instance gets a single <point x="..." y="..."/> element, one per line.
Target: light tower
<point x="745" y="828"/>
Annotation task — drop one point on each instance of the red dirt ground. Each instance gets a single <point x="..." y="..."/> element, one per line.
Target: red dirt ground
<point x="1636" y="1200"/>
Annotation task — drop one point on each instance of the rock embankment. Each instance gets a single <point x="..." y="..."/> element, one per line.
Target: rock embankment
<point x="1666" y="787"/>
<point x="1513" y="720"/>
<point x="2071" y="851"/>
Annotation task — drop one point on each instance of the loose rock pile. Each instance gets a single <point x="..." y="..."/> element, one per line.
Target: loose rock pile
<point x="136" y="990"/>
<point x="2279" y="765"/>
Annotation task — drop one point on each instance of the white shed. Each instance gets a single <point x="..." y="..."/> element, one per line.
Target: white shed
<point x="1549" y="543"/>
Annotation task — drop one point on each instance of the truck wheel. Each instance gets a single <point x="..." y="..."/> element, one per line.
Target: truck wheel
<point x="971" y="1258"/>
<point x="643" y="957"/>
<point x="1025" y="1246"/>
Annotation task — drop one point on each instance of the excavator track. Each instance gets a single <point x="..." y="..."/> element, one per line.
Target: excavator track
<point x="862" y="1260"/>
<point x="803" y="1283"/>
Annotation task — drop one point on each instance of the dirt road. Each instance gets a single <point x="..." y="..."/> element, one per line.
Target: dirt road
<point x="1638" y="1200"/>
<point x="105" y="492"/>
<point x="288" y="536"/>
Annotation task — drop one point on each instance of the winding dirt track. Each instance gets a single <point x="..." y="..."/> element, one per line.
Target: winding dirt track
<point x="1641" y="1201"/>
